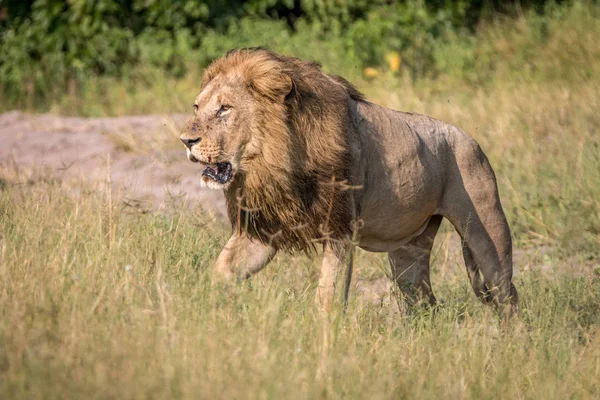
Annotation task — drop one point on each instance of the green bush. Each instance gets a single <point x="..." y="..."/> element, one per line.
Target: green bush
<point x="52" y="47"/>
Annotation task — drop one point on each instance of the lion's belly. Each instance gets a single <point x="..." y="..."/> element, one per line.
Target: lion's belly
<point x="388" y="227"/>
<point x="375" y="242"/>
<point x="398" y="210"/>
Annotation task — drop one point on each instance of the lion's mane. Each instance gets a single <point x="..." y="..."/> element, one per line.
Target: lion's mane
<point x="286" y="196"/>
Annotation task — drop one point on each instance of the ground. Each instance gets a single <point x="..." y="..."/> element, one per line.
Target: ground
<point x="146" y="164"/>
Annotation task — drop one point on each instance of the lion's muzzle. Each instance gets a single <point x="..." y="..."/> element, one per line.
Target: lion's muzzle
<point x="220" y="172"/>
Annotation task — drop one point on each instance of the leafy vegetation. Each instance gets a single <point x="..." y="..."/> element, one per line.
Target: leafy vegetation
<point x="51" y="47"/>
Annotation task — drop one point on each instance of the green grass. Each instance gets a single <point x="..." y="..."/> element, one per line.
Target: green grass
<point x="100" y="302"/>
<point x="558" y="46"/>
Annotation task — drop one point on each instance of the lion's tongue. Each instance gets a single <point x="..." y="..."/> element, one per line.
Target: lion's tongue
<point x="221" y="172"/>
<point x="212" y="172"/>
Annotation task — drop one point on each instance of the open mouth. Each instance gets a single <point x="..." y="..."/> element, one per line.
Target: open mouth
<point x="219" y="172"/>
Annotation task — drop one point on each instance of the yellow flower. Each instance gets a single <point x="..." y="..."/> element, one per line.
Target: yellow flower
<point x="394" y="60"/>
<point x="370" y="72"/>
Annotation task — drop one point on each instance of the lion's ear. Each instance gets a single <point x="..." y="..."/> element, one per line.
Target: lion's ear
<point x="276" y="86"/>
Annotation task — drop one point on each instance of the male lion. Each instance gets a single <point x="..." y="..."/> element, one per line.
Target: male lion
<point x="304" y="159"/>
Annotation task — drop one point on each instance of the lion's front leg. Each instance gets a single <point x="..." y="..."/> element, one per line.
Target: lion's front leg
<point x="333" y="258"/>
<point x="242" y="257"/>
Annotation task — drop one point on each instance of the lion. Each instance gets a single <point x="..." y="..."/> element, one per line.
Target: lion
<point x="305" y="160"/>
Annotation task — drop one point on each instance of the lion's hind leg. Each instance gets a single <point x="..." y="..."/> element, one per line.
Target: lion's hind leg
<point x="472" y="204"/>
<point x="482" y="291"/>
<point x="410" y="265"/>
<point x="490" y="284"/>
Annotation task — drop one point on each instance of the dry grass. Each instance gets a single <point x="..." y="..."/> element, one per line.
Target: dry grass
<point x="99" y="302"/>
<point x="154" y="141"/>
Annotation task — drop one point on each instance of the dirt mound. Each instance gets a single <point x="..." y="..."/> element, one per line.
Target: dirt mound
<point x="147" y="162"/>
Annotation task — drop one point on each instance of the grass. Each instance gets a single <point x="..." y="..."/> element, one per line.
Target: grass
<point x="105" y="303"/>
<point x="99" y="301"/>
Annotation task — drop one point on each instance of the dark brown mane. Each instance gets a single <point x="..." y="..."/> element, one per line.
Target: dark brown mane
<point x="287" y="196"/>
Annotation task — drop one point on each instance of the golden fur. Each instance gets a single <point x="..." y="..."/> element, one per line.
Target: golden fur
<point x="289" y="190"/>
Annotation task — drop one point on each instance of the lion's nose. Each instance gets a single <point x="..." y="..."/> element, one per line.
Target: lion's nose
<point x="190" y="142"/>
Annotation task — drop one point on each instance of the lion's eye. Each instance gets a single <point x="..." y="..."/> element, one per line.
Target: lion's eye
<point x="224" y="109"/>
<point x="195" y="107"/>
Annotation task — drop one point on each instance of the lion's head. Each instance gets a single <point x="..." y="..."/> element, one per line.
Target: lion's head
<point x="229" y="123"/>
<point x="272" y="131"/>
